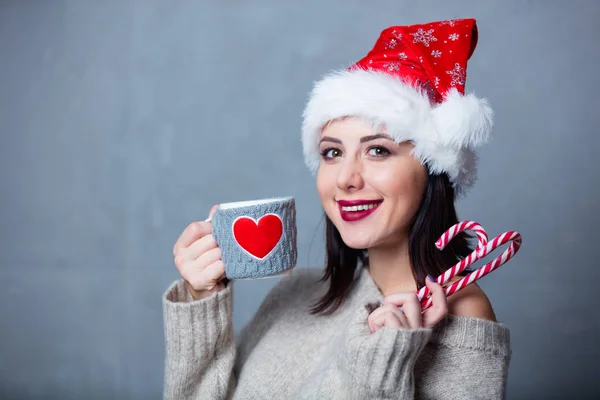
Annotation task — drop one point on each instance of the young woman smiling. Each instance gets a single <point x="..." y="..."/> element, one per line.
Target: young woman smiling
<point x="391" y="140"/>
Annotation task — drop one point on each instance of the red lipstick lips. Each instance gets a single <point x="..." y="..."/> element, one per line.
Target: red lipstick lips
<point x="354" y="210"/>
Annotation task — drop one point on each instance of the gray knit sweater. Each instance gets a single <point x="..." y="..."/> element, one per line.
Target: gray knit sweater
<point x="285" y="352"/>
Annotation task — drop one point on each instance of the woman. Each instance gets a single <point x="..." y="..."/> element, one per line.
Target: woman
<point x="391" y="140"/>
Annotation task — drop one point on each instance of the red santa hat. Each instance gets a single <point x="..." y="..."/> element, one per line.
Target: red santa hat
<point x="413" y="83"/>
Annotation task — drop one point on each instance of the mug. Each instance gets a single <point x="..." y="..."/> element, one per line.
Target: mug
<point x="257" y="238"/>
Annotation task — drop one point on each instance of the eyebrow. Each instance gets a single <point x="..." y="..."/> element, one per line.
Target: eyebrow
<point x="373" y="137"/>
<point x="329" y="139"/>
<point x="362" y="139"/>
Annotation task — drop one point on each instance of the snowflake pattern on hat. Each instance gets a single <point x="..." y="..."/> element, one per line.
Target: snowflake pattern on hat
<point x="423" y="55"/>
<point x="393" y="41"/>
<point x="450" y="22"/>
<point x="425" y="37"/>
<point x="393" y="66"/>
<point x="458" y="75"/>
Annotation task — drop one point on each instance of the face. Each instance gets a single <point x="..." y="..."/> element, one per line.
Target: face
<point x="370" y="187"/>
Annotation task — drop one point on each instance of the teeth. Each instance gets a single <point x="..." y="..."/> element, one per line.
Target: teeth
<point x="362" y="207"/>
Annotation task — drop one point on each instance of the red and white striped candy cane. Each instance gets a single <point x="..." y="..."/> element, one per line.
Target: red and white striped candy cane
<point x="511" y="236"/>
<point x="442" y="242"/>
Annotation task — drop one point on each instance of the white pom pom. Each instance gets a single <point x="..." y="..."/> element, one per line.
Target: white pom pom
<point x="463" y="121"/>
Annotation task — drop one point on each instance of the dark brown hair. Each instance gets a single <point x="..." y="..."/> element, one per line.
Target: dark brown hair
<point x="435" y="215"/>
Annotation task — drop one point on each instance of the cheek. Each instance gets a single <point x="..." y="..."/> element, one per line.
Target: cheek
<point x="390" y="182"/>
<point x="402" y="181"/>
<point x="324" y="184"/>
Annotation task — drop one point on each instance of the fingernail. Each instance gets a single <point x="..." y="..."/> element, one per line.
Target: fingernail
<point x="431" y="278"/>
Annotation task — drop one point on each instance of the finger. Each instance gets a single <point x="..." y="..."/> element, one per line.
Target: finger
<point x="411" y="307"/>
<point x="190" y="270"/>
<point x="438" y="294"/>
<point x="212" y="211"/>
<point x="376" y="314"/>
<point x="198" y="248"/>
<point x="402" y="318"/>
<point x="373" y="315"/>
<point x="191" y="233"/>
<point x="214" y="273"/>
<point x="399" y="299"/>
<point x="383" y="309"/>
<point x="376" y="322"/>
<point x="194" y="271"/>
<point x="439" y="306"/>
<point x="207" y="258"/>
<point x="392" y="320"/>
<point x="412" y="310"/>
<point x="208" y="279"/>
<point x="377" y="317"/>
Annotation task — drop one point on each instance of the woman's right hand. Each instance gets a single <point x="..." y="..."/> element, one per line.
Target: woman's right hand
<point x="198" y="259"/>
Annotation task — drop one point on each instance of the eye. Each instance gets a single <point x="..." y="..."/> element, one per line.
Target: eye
<point x="378" y="151"/>
<point x="330" y="153"/>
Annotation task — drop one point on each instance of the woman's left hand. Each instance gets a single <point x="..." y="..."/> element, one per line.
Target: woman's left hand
<point x="403" y="310"/>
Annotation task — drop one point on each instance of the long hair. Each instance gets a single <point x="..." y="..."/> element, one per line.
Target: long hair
<point x="435" y="215"/>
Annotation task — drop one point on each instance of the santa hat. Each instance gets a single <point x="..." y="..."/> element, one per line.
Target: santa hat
<point x="413" y="83"/>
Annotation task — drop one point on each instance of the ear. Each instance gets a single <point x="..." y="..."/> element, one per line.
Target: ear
<point x="463" y="121"/>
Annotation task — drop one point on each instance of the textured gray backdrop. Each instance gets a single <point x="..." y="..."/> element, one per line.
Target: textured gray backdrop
<point x="123" y="121"/>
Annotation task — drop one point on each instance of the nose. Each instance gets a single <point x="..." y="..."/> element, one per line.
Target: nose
<point x="350" y="175"/>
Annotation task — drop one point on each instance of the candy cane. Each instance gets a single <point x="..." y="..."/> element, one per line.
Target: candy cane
<point x="511" y="236"/>
<point x="460" y="266"/>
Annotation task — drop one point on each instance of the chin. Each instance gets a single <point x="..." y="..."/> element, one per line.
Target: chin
<point x="355" y="237"/>
<point x="357" y="240"/>
<point x="358" y="244"/>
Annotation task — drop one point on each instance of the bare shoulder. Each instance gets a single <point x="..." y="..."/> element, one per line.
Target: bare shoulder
<point x="471" y="302"/>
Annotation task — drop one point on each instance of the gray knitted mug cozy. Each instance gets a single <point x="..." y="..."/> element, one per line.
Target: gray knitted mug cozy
<point x="259" y="219"/>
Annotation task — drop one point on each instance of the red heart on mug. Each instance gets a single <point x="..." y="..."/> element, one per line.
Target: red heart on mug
<point x="258" y="238"/>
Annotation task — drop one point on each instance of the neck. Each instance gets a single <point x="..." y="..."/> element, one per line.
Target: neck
<point x="390" y="268"/>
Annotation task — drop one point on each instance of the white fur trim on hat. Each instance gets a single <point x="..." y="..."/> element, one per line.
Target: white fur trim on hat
<point x="444" y="135"/>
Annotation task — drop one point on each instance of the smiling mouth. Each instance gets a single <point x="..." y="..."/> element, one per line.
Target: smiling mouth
<point x="362" y="207"/>
<point x="357" y="209"/>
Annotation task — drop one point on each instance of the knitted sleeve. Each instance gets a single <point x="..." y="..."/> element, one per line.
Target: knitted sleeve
<point x="460" y="358"/>
<point x="380" y="365"/>
<point x="199" y="344"/>
<point x="466" y="358"/>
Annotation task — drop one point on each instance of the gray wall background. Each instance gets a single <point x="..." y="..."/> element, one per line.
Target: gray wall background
<point x="123" y="121"/>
